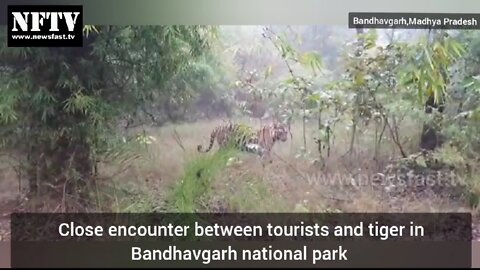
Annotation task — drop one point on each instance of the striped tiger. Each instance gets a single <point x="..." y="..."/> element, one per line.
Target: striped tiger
<point x="244" y="138"/>
<point x="235" y="135"/>
<point x="271" y="133"/>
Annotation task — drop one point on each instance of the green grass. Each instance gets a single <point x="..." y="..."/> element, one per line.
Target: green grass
<point x="191" y="193"/>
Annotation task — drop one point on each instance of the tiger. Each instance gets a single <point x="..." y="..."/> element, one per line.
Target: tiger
<point x="239" y="136"/>
<point x="243" y="137"/>
<point x="269" y="134"/>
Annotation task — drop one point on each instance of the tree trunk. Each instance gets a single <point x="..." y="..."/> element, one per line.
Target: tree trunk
<point x="431" y="137"/>
<point x="359" y="52"/>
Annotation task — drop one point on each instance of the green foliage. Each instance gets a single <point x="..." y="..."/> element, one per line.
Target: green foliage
<point x="62" y="104"/>
<point x="59" y="106"/>
<point x="193" y="188"/>
<point x="312" y="60"/>
<point x="87" y="29"/>
<point x="462" y="125"/>
<point x="427" y="69"/>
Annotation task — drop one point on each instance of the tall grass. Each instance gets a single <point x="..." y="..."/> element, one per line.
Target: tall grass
<point x="191" y="193"/>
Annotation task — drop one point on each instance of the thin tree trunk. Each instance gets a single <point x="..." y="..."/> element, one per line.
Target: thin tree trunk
<point x="303" y="127"/>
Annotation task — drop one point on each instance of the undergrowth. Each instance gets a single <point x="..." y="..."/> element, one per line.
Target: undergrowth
<point x="191" y="193"/>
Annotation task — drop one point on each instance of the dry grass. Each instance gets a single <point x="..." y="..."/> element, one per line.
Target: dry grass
<point x="164" y="177"/>
<point x="293" y="182"/>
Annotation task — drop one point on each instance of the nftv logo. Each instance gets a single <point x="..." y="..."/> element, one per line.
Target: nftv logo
<point x="45" y="26"/>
